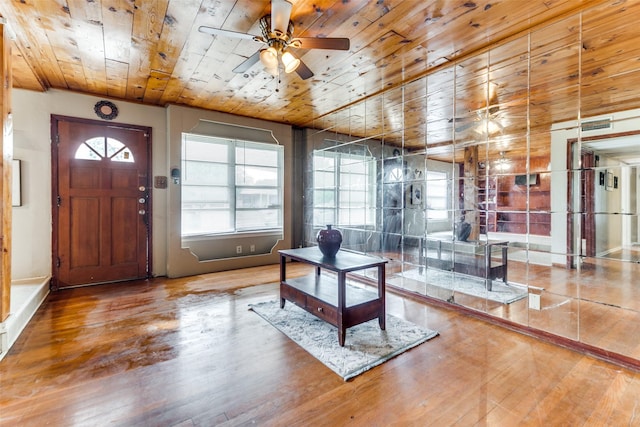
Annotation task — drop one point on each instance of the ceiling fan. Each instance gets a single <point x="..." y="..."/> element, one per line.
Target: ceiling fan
<point x="277" y="35"/>
<point x="484" y="116"/>
<point x="478" y="121"/>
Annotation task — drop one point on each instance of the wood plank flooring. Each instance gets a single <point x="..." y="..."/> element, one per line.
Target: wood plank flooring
<point x="187" y="352"/>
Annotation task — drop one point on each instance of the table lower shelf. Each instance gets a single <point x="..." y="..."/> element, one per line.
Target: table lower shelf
<point x="320" y="298"/>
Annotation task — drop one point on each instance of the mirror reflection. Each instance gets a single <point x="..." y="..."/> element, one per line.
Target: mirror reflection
<point x="504" y="183"/>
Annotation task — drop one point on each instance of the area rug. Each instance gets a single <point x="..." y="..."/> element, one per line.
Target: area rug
<point x="470" y="285"/>
<point x="365" y="347"/>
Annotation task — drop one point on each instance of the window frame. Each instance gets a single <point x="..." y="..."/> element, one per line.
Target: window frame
<point x="231" y="187"/>
<point x="446" y="195"/>
<point x="339" y="175"/>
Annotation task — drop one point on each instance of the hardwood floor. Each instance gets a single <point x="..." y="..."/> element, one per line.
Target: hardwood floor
<point x="187" y="352"/>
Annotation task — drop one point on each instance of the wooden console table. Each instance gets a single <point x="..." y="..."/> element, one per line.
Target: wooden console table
<point x="329" y="299"/>
<point x="470" y="263"/>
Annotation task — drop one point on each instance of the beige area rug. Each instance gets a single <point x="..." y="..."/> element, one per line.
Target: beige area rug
<point x="505" y="293"/>
<point x="366" y="345"/>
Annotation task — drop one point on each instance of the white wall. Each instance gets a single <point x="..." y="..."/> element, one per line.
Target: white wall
<point x="624" y="121"/>
<point x="31" y="254"/>
<point x="608" y="208"/>
<point x="182" y="261"/>
<point x="32" y="251"/>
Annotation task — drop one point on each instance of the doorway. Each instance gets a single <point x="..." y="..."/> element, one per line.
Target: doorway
<point x="101" y="202"/>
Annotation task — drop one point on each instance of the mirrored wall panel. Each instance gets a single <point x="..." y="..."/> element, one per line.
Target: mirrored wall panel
<point x="507" y="182"/>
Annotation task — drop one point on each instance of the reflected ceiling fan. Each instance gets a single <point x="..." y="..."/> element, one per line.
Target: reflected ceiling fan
<point x="485" y="116"/>
<point x="477" y="121"/>
<point x="277" y="35"/>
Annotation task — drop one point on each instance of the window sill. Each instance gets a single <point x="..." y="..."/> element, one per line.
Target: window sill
<point x="227" y="236"/>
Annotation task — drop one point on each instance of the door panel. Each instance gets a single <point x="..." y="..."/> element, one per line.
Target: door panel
<point x="84" y="236"/>
<point x="101" y="231"/>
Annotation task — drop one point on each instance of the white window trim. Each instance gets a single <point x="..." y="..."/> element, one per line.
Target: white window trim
<point x="336" y="187"/>
<point x="270" y="231"/>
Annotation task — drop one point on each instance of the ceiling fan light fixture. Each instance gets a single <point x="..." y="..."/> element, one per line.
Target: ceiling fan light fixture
<point x="503" y="164"/>
<point x="280" y="15"/>
<point x="493" y="127"/>
<point x="277" y="33"/>
<point x="269" y="57"/>
<point x="290" y="62"/>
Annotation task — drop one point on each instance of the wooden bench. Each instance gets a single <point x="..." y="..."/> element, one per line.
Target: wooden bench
<point x="473" y="258"/>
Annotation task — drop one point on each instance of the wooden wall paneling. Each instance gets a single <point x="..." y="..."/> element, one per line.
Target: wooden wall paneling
<point x="509" y="92"/>
<point x="203" y="56"/>
<point x="525" y="208"/>
<point x="147" y="26"/>
<point x="197" y="91"/>
<point x="23" y="75"/>
<point x="310" y="21"/>
<point x="357" y="124"/>
<point x="73" y="74"/>
<point x="42" y="59"/>
<point x="555" y="36"/>
<point x="6" y="147"/>
<point x="554" y="98"/>
<point x="373" y="113"/>
<point x="78" y="44"/>
<point x="117" y="73"/>
<point x="609" y="58"/>
<point x="117" y="25"/>
<point x="91" y="54"/>
<point x="176" y="28"/>
<point x="156" y="84"/>
<point x="87" y="33"/>
<point x="61" y="35"/>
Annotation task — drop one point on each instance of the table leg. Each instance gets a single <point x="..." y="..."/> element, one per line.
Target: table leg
<point x="382" y="316"/>
<point x="487" y="266"/>
<point x="422" y="255"/>
<point x="283" y="275"/>
<point x="341" y="303"/>
<point x="504" y="264"/>
<point x="341" y="335"/>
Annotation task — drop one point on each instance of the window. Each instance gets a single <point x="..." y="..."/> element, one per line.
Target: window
<point x="99" y="148"/>
<point x="230" y="186"/>
<point x="437" y="196"/>
<point x="344" y="188"/>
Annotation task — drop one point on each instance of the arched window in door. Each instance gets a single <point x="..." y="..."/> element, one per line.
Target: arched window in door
<point x="99" y="148"/>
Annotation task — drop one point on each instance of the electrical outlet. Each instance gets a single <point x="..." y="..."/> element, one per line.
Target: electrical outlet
<point x="534" y="301"/>
<point x="238" y="249"/>
<point x="252" y="248"/>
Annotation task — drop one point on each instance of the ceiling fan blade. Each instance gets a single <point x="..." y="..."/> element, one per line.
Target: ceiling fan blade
<point x="303" y="71"/>
<point x="323" y="43"/>
<point x="464" y="126"/>
<point x="227" y="33"/>
<point x="280" y="15"/>
<point x="248" y="63"/>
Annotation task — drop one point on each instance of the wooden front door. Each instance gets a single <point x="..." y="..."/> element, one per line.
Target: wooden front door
<point x="101" y="202"/>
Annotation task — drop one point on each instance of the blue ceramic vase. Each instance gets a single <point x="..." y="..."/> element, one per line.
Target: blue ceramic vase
<point x="329" y="241"/>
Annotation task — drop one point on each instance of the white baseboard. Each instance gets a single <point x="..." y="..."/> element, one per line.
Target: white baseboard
<point x="26" y="297"/>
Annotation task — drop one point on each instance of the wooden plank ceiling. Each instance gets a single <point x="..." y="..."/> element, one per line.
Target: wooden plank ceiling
<point x="151" y="51"/>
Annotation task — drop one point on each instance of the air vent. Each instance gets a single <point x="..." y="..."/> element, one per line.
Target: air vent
<point x="596" y="125"/>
